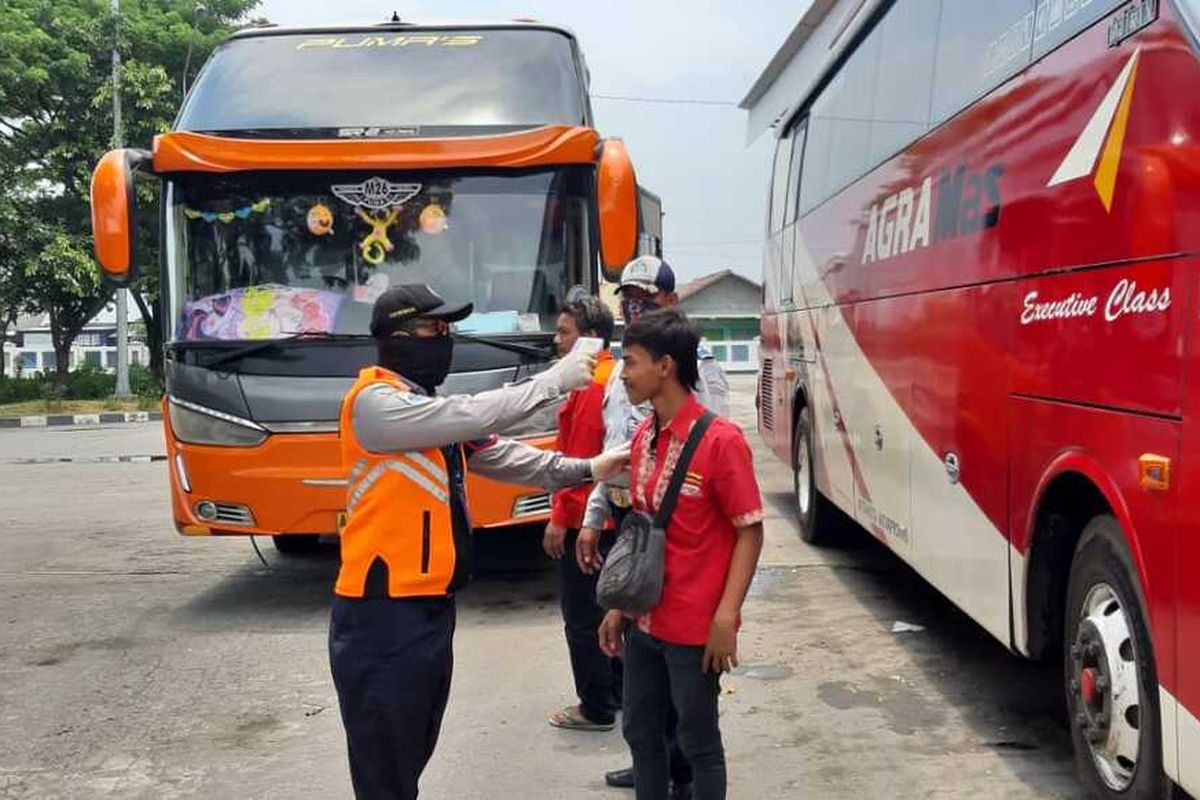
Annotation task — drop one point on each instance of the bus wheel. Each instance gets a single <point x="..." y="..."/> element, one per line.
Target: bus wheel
<point x="297" y="544"/>
<point x="812" y="510"/>
<point x="1112" y="689"/>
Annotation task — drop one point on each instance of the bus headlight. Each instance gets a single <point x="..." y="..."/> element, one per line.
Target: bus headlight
<point x="196" y="424"/>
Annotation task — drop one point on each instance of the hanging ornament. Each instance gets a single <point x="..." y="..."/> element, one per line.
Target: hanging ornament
<point x="377" y="245"/>
<point x="433" y="219"/>
<point x="320" y="220"/>
<point x="228" y="216"/>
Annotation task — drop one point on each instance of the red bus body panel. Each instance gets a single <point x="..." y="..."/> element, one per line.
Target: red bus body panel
<point x="952" y="348"/>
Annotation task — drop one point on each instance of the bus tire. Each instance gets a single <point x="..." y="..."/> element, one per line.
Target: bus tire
<point x="297" y="544"/>
<point x="813" y="512"/>
<point x="1110" y="677"/>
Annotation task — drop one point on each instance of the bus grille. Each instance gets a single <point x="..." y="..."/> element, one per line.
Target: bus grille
<point x="532" y="505"/>
<point x="766" y="395"/>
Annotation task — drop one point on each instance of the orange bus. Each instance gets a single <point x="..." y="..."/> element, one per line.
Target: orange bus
<point x="310" y="169"/>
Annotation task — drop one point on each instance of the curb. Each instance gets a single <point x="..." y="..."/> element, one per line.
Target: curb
<point x="57" y="420"/>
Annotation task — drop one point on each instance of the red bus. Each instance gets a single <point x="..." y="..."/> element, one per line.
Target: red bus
<point x="980" y="336"/>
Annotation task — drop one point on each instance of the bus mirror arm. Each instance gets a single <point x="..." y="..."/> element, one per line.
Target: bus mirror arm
<point x="114" y="212"/>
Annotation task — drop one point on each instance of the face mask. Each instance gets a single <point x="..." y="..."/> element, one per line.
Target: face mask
<point x="634" y="307"/>
<point x="426" y="362"/>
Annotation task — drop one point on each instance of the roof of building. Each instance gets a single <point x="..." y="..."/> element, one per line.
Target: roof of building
<point x="105" y="318"/>
<point x="695" y="287"/>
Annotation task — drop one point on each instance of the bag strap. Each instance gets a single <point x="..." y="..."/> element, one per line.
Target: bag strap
<point x="693" y="441"/>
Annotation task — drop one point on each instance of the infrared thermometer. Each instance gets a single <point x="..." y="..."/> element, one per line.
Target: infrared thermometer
<point x="588" y="344"/>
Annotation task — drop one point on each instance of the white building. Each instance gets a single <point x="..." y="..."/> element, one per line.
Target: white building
<point x="32" y="352"/>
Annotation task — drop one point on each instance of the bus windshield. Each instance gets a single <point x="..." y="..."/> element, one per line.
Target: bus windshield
<point x="386" y="83"/>
<point x="271" y="255"/>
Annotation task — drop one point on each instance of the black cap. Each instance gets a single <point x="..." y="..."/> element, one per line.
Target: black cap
<point x="399" y="305"/>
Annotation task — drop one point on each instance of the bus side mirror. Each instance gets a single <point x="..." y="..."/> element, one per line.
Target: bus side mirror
<point x="617" y="201"/>
<point x="114" y="218"/>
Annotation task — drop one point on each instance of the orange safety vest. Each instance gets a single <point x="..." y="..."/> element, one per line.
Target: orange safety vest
<point x="397" y="510"/>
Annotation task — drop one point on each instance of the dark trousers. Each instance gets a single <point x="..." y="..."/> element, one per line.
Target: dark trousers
<point x="391" y="661"/>
<point x="597" y="677"/>
<point x="660" y="676"/>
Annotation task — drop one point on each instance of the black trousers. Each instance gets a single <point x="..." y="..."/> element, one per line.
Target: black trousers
<point x="391" y="661"/>
<point x="597" y="677"/>
<point x="660" y="678"/>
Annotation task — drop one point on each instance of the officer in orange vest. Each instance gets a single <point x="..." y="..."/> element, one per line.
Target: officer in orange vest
<point x="406" y="543"/>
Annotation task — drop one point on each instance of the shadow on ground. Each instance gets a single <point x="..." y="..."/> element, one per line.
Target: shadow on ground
<point x="510" y="571"/>
<point x="1010" y="704"/>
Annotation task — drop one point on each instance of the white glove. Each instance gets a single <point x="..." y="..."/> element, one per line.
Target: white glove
<point x="572" y="371"/>
<point x="610" y="463"/>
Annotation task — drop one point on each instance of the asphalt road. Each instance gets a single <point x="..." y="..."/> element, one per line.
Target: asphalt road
<point x="136" y="663"/>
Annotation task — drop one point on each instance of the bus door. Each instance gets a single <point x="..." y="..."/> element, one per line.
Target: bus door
<point x="880" y="432"/>
<point x="837" y="469"/>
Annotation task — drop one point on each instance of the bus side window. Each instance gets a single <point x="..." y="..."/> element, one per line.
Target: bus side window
<point x="904" y="80"/>
<point x="980" y="45"/>
<point x="791" y="232"/>
<point x="783" y="153"/>
<point x="799" y="134"/>
<point x="851" y="112"/>
<point x="773" y="271"/>
<point x="813" y="183"/>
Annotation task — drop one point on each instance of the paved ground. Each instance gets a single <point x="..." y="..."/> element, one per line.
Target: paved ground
<point x="135" y="663"/>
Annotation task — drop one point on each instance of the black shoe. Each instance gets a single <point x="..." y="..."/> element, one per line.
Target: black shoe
<point x="681" y="791"/>
<point x="623" y="779"/>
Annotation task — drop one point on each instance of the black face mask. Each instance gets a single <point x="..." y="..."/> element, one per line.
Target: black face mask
<point x="426" y="362"/>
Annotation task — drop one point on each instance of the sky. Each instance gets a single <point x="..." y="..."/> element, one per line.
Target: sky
<point x="694" y="156"/>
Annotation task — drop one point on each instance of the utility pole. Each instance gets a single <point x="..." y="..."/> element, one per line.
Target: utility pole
<point x="119" y="141"/>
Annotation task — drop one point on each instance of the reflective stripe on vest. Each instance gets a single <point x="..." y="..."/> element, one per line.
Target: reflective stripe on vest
<point x="398" y="511"/>
<point x="441" y="492"/>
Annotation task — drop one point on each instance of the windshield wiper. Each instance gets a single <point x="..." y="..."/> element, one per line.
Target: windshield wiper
<point x="532" y="350"/>
<point x="256" y="347"/>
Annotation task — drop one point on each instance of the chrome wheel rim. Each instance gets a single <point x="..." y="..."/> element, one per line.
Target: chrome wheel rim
<point x="803" y="477"/>
<point x="1105" y="688"/>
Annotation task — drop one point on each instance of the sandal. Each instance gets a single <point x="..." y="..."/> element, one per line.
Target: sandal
<point x="571" y="718"/>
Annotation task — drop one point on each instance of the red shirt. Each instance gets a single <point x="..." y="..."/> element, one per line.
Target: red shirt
<point x="580" y="435"/>
<point x="719" y="495"/>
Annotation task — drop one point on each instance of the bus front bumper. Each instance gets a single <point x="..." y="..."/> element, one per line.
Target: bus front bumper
<point x="294" y="483"/>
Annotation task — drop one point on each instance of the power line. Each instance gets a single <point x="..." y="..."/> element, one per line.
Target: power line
<point x="664" y="100"/>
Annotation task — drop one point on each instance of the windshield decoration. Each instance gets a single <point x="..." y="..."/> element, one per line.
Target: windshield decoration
<point x="260" y="312"/>
<point x="377" y="244"/>
<point x="383" y="200"/>
<point x="228" y="216"/>
<point x="376" y="193"/>
<point x="433" y="219"/>
<point x="320" y="220"/>
<point x="313" y="262"/>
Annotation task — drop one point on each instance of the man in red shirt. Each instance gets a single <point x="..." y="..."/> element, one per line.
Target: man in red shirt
<point x="581" y="431"/>
<point x="677" y="651"/>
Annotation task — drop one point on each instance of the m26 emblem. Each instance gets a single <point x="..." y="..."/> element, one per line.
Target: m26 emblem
<point x="376" y="193"/>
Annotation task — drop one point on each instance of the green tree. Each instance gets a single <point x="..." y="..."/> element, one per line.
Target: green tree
<point x="13" y="289"/>
<point x="56" y="121"/>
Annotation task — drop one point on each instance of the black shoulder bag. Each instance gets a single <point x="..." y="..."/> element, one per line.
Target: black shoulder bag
<point x="632" y="577"/>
